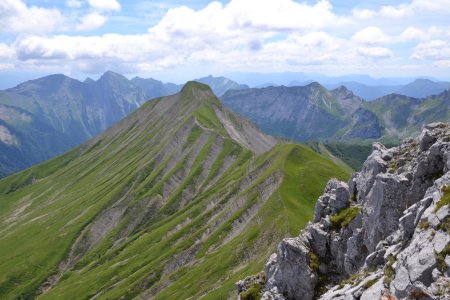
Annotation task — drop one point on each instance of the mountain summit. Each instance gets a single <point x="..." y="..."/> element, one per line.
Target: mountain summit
<point x="179" y="199"/>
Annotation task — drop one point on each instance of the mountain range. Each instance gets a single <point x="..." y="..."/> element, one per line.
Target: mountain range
<point x="45" y="117"/>
<point x="178" y="200"/>
<point x="312" y="112"/>
<point x="48" y="116"/>
<point x="419" y="88"/>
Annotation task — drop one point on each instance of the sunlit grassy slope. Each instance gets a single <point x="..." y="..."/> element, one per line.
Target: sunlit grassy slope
<point x="164" y="205"/>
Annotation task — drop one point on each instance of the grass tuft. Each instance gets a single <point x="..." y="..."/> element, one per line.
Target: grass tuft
<point x="440" y="257"/>
<point x="445" y="200"/>
<point x="344" y="217"/>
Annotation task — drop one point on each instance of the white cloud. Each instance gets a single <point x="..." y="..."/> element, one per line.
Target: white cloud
<point x="444" y="64"/>
<point x="248" y="16"/>
<point x="363" y="14"/>
<point x="399" y="11"/>
<point x="375" y="52"/>
<point x="6" y="66"/>
<point x="91" y="21"/>
<point x="404" y="10"/>
<point x="413" y="33"/>
<point x="6" y="52"/>
<point x="435" y="5"/>
<point x="16" y="17"/>
<point x="435" y="50"/>
<point x="105" y="4"/>
<point x="74" y="3"/>
<point x="370" y="35"/>
<point x="416" y="6"/>
<point x="239" y="35"/>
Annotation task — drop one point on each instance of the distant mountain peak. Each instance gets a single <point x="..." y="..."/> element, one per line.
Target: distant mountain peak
<point x="315" y="85"/>
<point x="56" y="78"/>
<point x="89" y="80"/>
<point x="111" y="75"/>
<point x="422" y="80"/>
<point x="343" y="91"/>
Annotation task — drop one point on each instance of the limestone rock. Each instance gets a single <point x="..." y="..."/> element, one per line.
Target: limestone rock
<point x="395" y="245"/>
<point x="289" y="270"/>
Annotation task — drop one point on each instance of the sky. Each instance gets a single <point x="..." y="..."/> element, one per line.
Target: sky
<point x="177" y="40"/>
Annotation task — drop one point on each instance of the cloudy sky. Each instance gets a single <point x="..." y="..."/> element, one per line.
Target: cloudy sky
<point x="179" y="40"/>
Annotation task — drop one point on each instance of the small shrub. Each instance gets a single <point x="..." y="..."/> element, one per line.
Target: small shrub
<point x="314" y="262"/>
<point x="369" y="283"/>
<point x="344" y="217"/>
<point x="440" y="257"/>
<point x="388" y="270"/>
<point x="253" y="293"/>
<point x="388" y="275"/>
<point x="444" y="225"/>
<point x="424" y="224"/>
<point x="394" y="166"/>
<point x="321" y="288"/>
<point x="353" y="280"/>
<point x="445" y="200"/>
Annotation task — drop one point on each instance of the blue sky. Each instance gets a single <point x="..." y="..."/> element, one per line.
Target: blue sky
<point x="179" y="40"/>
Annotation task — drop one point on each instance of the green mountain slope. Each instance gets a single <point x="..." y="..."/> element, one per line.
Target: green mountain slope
<point x="403" y="116"/>
<point x="178" y="200"/>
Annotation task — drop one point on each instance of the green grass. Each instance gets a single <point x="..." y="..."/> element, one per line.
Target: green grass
<point x="445" y="199"/>
<point x="43" y="210"/>
<point x="353" y="155"/>
<point x="344" y="217"/>
<point x="389" y="270"/>
<point x="314" y="262"/>
<point x="424" y="224"/>
<point x="440" y="257"/>
<point x="253" y="293"/>
<point x="369" y="283"/>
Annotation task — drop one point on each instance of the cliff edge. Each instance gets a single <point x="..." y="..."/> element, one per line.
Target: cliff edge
<point x="382" y="235"/>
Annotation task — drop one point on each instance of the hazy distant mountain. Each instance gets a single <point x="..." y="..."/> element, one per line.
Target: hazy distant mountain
<point x="47" y="116"/>
<point x="154" y="88"/>
<point x="312" y="112"/>
<point x="286" y="78"/>
<point x="421" y="88"/>
<point x="367" y="92"/>
<point x="220" y="85"/>
<point x="268" y="84"/>
<point x="403" y="116"/>
<point x="300" y="113"/>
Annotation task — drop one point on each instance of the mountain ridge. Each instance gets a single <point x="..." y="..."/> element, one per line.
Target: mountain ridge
<point x="163" y="196"/>
<point x="298" y="112"/>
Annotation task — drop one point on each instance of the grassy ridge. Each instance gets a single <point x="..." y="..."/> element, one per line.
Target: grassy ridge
<point x="185" y="210"/>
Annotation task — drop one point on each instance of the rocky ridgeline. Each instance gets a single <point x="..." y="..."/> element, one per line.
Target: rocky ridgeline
<point x="384" y="235"/>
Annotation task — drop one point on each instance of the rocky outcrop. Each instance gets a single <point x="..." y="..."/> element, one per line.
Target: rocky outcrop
<point x="384" y="235"/>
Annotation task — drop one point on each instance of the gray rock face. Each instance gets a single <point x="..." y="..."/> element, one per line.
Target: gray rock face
<point x="395" y="241"/>
<point x="289" y="270"/>
<point x="335" y="198"/>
